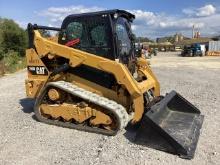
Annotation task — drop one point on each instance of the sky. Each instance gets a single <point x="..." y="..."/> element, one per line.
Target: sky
<point x="154" y="18"/>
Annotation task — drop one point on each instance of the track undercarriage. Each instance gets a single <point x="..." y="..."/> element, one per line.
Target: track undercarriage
<point x="63" y="104"/>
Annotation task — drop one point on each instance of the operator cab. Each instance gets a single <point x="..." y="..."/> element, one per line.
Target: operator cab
<point x="105" y="33"/>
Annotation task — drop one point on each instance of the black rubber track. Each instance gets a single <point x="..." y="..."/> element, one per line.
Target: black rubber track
<point x="80" y="127"/>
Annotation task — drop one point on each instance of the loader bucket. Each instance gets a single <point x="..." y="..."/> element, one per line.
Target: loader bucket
<point x="177" y="121"/>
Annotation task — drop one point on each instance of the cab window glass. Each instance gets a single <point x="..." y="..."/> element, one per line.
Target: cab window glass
<point x="74" y="30"/>
<point x="98" y="35"/>
<point x="124" y="42"/>
<point x="92" y="34"/>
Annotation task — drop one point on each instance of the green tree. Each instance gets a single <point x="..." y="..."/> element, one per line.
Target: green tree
<point x="1" y="39"/>
<point x="12" y="38"/>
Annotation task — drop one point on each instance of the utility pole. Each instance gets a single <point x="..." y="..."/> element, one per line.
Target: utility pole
<point x="193" y="31"/>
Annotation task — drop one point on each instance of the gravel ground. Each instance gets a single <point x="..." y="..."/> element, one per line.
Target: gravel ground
<point x="23" y="140"/>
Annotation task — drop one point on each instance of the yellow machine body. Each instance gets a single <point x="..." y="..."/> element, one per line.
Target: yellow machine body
<point x="51" y="50"/>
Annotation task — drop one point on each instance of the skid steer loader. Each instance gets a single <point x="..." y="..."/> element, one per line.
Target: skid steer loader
<point x="93" y="80"/>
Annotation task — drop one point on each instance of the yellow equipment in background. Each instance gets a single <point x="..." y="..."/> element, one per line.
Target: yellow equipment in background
<point x="213" y="53"/>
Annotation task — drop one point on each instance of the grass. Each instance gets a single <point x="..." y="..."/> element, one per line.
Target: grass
<point x="12" y="63"/>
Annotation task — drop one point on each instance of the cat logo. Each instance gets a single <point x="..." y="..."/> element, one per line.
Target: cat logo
<point x="38" y="70"/>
